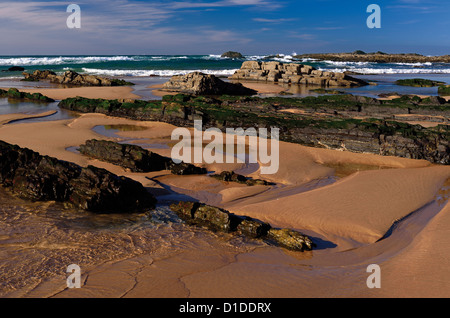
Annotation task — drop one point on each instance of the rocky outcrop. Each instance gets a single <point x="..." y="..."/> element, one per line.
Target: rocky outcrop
<point x="232" y="55"/>
<point x="293" y="74"/>
<point x="43" y="178"/>
<point x="378" y="57"/>
<point x="197" y="83"/>
<point x="14" y="93"/>
<point x="135" y="158"/>
<point x="73" y="78"/>
<point x="231" y="176"/>
<point x="218" y="219"/>
<point x="324" y="121"/>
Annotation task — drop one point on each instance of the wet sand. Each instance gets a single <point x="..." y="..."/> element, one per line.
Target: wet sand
<point x="349" y="215"/>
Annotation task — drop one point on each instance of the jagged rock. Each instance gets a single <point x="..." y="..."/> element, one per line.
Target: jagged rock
<point x="43" y="178"/>
<point x="73" y="78"/>
<point x="293" y="74"/>
<point x="232" y="55"/>
<point x="135" y="158"/>
<point x="217" y="219"/>
<point x="197" y="83"/>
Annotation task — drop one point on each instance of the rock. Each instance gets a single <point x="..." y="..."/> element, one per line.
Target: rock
<point x="197" y="83"/>
<point x="444" y="90"/>
<point x="135" y="158"/>
<point x="14" y="93"/>
<point x="42" y="178"/>
<point x="231" y="176"/>
<point x="293" y="74"/>
<point x="217" y="219"/>
<point x="73" y="78"/>
<point x="232" y="55"/>
<point x="14" y="69"/>
<point x="290" y="239"/>
<point x="418" y="82"/>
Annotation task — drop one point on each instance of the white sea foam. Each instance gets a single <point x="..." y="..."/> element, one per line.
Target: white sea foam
<point x="142" y="73"/>
<point x="25" y="61"/>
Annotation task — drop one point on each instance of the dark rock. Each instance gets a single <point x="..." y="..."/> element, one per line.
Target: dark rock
<point x="232" y="55"/>
<point x="218" y="219"/>
<point x="14" y="69"/>
<point x="231" y="176"/>
<point x="444" y="90"/>
<point x="197" y="83"/>
<point x="14" y="93"/>
<point x="43" y="178"/>
<point x="135" y="158"/>
<point x="291" y="239"/>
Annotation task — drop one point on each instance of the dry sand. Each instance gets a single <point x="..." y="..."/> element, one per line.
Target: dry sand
<point x="346" y="215"/>
<point x="115" y="92"/>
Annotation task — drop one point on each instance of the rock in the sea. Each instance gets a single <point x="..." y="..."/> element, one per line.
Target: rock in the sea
<point x="135" y="158"/>
<point x="73" y="78"/>
<point x="232" y="55"/>
<point x="197" y="83"/>
<point x="293" y="73"/>
<point x="14" y="69"/>
<point x="43" y="178"/>
<point x="218" y="219"/>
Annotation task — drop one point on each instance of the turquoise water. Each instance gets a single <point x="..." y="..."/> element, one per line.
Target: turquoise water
<point x="168" y="65"/>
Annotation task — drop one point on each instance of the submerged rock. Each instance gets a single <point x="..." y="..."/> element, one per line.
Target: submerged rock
<point x="43" y="178"/>
<point x="218" y="219"/>
<point x="197" y="83"/>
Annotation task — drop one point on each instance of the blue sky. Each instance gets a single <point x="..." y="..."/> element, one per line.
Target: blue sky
<point x="215" y="26"/>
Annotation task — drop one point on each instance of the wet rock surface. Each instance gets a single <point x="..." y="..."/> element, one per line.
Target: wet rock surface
<point x="42" y="178"/>
<point x="231" y="176"/>
<point x="135" y="158"/>
<point x="214" y="218"/>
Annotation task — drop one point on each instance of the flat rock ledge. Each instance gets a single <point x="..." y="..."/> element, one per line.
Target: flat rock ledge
<point x="73" y="78"/>
<point x="216" y="219"/>
<point x="135" y="158"/>
<point x="42" y="178"/>
<point x="197" y="83"/>
<point x="293" y="73"/>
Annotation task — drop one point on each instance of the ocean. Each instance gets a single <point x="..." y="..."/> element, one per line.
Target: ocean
<point x="169" y="65"/>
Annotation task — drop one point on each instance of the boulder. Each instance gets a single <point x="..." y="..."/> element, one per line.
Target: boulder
<point x="197" y="83"/>
<point x="218" y="219"/>
<point x="232" y="55"/>
<point x="42" y="178"/>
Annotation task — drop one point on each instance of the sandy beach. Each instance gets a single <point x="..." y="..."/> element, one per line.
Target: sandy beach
<point x="348" y="202"/>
